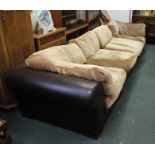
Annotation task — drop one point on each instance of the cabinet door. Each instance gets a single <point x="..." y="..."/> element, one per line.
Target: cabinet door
<point x="12" y="37"/>
<point x="16" y="44"/>
<point x="4" y="63"/>
<point x="25" y="33"/>
<point x="18" y="35"/>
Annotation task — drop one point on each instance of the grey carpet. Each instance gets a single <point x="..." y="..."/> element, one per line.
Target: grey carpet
<point x="132" y="120"/>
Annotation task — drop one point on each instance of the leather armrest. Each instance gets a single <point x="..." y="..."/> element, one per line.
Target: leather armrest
<point x="81" y="92"/>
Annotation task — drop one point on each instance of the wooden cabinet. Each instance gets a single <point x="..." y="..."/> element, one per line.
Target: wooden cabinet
<point x="149" y="20"/>
<point x="77" y="22"/>
<point x="53" y="38"/>
<point x="16" y="44"/>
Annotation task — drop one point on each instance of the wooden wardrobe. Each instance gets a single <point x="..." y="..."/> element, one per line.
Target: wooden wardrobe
<point x="16" y="44"/>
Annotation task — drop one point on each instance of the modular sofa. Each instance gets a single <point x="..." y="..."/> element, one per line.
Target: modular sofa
<point x="76" y="85"/>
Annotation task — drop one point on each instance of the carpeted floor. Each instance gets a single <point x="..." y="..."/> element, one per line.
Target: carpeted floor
<point x="131" y="121"/>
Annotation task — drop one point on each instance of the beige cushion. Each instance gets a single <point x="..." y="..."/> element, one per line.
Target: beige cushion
<point x="111" y="58"/>
<point x="132" y="29"/>
<point x="104" y="35"/>
<point x="129" y="45"/>
<point x="111" y="78"/>
<point x="113" y="26"/>
<point x="88" y="43"/>
<point x="141" y="39"/>
<point x="69" y="53"/>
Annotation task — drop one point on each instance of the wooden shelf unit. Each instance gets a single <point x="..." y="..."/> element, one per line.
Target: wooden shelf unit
<point x="77" y="22"/>
<point x="149" y="20"/>
<point x="76" y="28"/>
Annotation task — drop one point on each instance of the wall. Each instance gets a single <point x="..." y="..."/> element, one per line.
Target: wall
<point x="121" y="15"/>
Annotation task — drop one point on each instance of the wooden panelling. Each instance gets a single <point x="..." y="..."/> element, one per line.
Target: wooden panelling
<point x="16" y="44"/>
<point x="11" y="37"/>
<point x="57" y="18"/>
<point x="25" y="32"/>
<point x="4" y="60"/>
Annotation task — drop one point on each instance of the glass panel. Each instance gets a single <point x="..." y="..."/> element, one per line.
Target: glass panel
<point x="73" y="18"/>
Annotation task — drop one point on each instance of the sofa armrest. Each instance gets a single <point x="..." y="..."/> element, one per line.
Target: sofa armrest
<point x="82" y="92"/>
<point x="132" y="29"/>
<point x="65" y="101"/>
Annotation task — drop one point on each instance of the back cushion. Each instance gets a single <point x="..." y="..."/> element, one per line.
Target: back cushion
<point x="104" y="35"/>
<point x="113" y="26"/>
<point x="69" y="53"/>
<point x="88" y="43"/>
<point x="74" y="53"/>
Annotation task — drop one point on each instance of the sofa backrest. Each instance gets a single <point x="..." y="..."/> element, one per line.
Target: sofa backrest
<point x="104" y="35"/>
<point x="68" y="53"/>
<point x="114" y="27"/>
<point x="88" y="43"/>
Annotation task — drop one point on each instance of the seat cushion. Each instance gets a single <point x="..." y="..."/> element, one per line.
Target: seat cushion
<point x="129" y="45"/>
<point x="88" y="43"/>
<point x="111" y="58"/>
<point x="68" y="53"/>
<point x="104" y="35"/>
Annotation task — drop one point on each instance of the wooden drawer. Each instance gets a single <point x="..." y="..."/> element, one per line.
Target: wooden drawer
<point x="57" y="42"/>
<point x="143" y="19"/>
<point x="50" y="39"/>
<point x="151" y="29"/>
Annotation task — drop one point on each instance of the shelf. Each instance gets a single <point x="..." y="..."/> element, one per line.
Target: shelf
<point x="143" y="15"/>
<point x="91" y="27"/>
<point x="151" y="35"/>
<point x="8" y="106"/>
<point x="69" y="31"/>
<point x="77" y="22"/>
<point x="67" y="16"/>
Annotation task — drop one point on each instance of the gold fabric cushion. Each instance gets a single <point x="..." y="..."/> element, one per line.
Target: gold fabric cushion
<point x="132" y="29"/>
<point x="88" y="43"/>
<point x="69" y="53"/>
<point x="112" y="58"/>
<point x="104" y="35"/>
<point x="141" y="39"/>
<point x="113" y="26"/>
<point x="129" y="45"/>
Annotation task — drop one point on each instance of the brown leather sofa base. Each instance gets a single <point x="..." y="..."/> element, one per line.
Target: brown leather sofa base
<point x="69" y="102"/>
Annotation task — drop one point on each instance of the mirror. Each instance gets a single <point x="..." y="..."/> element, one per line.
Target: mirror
<point x="42" y="21"/>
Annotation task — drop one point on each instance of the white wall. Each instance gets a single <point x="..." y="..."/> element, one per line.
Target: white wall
<point x="121" y="15"/>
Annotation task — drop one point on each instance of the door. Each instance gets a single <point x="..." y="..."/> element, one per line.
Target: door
<point x="16" y="44"/>
<point x="18" y="35"/>
<point x="4" y="60"/>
